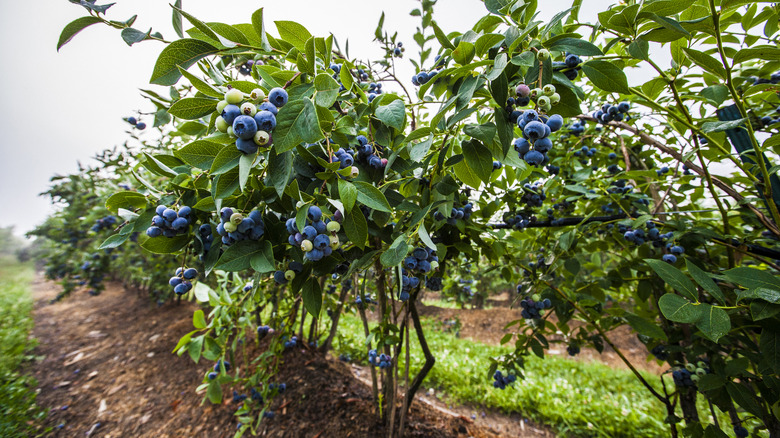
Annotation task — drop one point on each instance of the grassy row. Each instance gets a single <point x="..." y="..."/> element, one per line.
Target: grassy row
<point x="18" y="412"/>
<point x="573" y="397"/>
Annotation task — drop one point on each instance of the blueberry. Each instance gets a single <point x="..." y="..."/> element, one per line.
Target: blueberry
<point x="265" y="120"/>
<point x="154" y="231"/>
<point x="230" y="113"/>
<point x="543" y="145"/>
<point x="132" y="120"/>
<point x="279" y="277"/>
<point x="522" y="146"/>
<point x="669" y="258"/>
<point x="291" y="227"/>
<point x="246" y="146"/>
<point x="180" y="288"/>
<point x="245" y="127"/>
<point x="170" y="214"/>
<point x="140" y="126"/>
<point x="190" y="273"/>
<point x="534" y="158"/>
<point x="175" y="281"/>
<point x="534" y="130"/>
<point x="314" y="214"/>
<point x="179" y="223"/>
<point x="741" y="432"/>
<point x="623" y="107"/>
<point x="410" y="263"/>
<point x="572" y="61"/>
<point x="555" y="122"/>
<point x="321" y="241"/>
<point x="309" y="232"/>
<point x="267" y="106"/>
<point x="278" y="97"/>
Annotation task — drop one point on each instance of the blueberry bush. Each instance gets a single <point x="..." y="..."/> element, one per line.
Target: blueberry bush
<point x="285" y="175"/>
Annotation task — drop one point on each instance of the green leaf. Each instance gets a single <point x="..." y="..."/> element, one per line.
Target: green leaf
<point x="704" y="280"/>
<point x="714" y="322"/>
<point x="244" y="167"/>
<point x="199" y="319"/>
<point x="184" y="53"/>
<point x="639" y="49"/>
<point x="478" y="158"/>
<point x="202" y="86"/>
<point x="753" y="278"/>
<point x="201" y="26"/>
<point x="347" y="194"/>
<point x="706" y="62"/>
<point x="195" y="348"/>
<point x="279" y="168"/>
<point x="762" y="310"/>
<point x="293" y="33"/>
<point x="464" y="53"/>
<point x="165" y="245"/>
<point x="745" y="398"/>
<point x="312" y="296"/>
<point x="128" y="200"/>
<point x="576" y="46"/>
<point x="356" y="227"/>
<point x="396" y="252"/>
<point x="74" y="27"/>
<point x="176" y="19"/>
<point x="486" y="42"/>
<point x="378" y="30"/>
<point x="132" y="36"/>
<point x="257" y="23"/>
<point x="263" y="261"/>
<point x="769" y="344"/>
<point x="202" y="292"/>
<point x="193" y="108"/>
<point x="238" y="256"/>
<point x="442" y="37"/>
<point x="606" y="76"/>
<point x="766" y="53"/>
<point x="114" y="241"/>
<point x="666" y="7"/>
<point x="720" y="126"/>
<point x="371" y="197"/>
<point x="156" y="167"/>
<point x="226" y="184"/>
<point x="674" y="277"/>
<point x="327" y="90"/>
<point x="214" y="392"/>
<point x="199" y="153"/>
<point x="644" y="326"/>
<point x="226" y="160"/>
<point x="296" y="122"/>
<point x="392" y="114"/>
<point x="678" y="309"/>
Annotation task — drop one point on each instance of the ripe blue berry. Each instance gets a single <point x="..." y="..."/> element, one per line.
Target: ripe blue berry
<point x="245" y="127"/>
<point x="278" y="97"/>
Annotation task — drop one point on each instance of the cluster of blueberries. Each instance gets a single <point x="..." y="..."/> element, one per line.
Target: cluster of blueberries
<point x="660" y="353"/>
<point x="365" y="299"/>
<point x="206" y="237"/>
<point x="280" y="388"/>
<point x="585" y="151"/>
<point x="535" y="142"/>
<point x="104" y="223"/>
<point x="234" y="227"/>
<point x="534" y="195"/>
<point x="213" y="375"/>
<point x="292" y="342"/>
<point x="434" y="283"/>
<point x="570" y="67"/>
<point x="423" y="77"/>
<point x="422" y="261"/>
<point x="690" y="374"/>
<point x="608" y="112"/>
<point x="573" y="349"/>
<point x="238" y="398"/>
<point x="181" y="280"/>
<point x="456" y="213"/>
<point x="379" y="360"/>
<point x="399" y="49"/>
<point x="374" y="90"/>
<point x="345" y="158"/>
<point x="501" y="381"/>
<point x="264" y="330"/>
<point x="138" y="125"/>
<point x="246" y="68"/>
<point x="773" y="79"/>
<point x="282" y="277"/>
<point x="513" y="113"/>
<point x="620" y="187"/>
<point x="662" y="171"/>
<point x="252" y="124"/>
<point x="577" y="128"/>
<point x="533" y="309"/>
<point x="318" y="238"/>
<point x="653" y="234"/>
<point x="169" y="222"/>
<point x="518" y="219"/>
<point x="408" y="283"/>
<point x="366" y="154"/>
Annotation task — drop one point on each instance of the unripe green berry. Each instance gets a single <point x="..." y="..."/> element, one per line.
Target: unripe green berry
<point x="334" y="242"/>
<point x="543" y="54"/>
<point x="701" y="364"/>
<point x="230" y="227"/>
<point x="536" y="92"/>
<point x="230" y="132"/>
<point x="694" y="378"/>
<point x="334" y="227"/>
<point x="257" y="95"/>
<point x="306" y="246"/>
<point x="548" y="89"/>
<point x="289" y="275"/>
<point x="221" y="124"/>
<point x="221" y="105"/>
<point x="535" y="297"/>
<point x="234" y="96"/>
<point x="555" y="98"/>
<point x="545" y="107"/>
<point x="690" y="367"/>
<point x="434" y="265"/>
<point x="248" y="109"/>
<point x="701" y="372"/>
<point x="236" y="219"/>
<point x="543" y="101"/>
<point x="262" y="138"/>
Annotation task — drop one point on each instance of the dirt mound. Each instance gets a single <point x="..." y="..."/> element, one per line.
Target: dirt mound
<point x="106" y="369"/>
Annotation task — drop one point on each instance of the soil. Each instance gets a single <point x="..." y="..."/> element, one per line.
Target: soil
<point x="488" y="326"/>
<point x="105" y="369"/>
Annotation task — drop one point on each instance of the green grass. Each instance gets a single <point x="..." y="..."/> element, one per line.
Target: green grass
<point x="572" y="397"/>
<point x="18" y="412"/>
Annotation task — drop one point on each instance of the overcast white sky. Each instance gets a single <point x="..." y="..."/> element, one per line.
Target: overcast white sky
<point x="58" y="108"/>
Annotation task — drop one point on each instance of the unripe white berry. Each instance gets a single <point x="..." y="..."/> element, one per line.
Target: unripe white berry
<point x="234" y="96"/>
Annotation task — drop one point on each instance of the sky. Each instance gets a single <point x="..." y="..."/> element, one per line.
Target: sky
<point x="59" y="108"/>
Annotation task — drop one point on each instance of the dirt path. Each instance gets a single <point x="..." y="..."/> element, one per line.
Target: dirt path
<point x="106" y="370"/>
